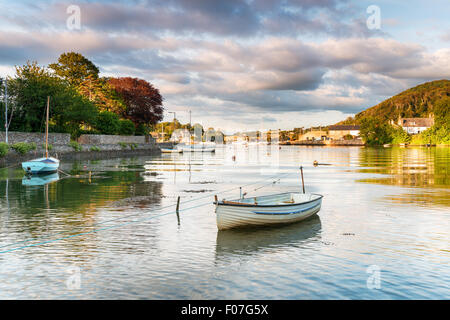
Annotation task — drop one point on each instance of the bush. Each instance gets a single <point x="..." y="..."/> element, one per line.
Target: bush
<point x="108" y="123"/>
<point x="374" y="132"/>
<point x="4" y="149"/>
<point x="123" y="145"/>
<point x="126" y="128"/>
<point x="23" y="147"/>
<point x="94" y="148"/>
<point x="49" y="147"/>
<point x="142" y="130"/>
<point x="399" y="136"/>
<point x="348" y="137"/>
<point x="435" y="135"/>
<point x="75" y="145"/>
<point x="133" y="146"/>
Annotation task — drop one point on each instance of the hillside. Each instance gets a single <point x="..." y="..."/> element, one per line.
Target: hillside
<point x="414" y="102"/>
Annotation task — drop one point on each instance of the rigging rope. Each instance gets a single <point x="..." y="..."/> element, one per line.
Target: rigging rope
<point x="121" y="217"/>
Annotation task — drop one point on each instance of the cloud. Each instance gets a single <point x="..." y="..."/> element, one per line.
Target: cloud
<point x="231" y="59"/>
<point x="198" y="17"/>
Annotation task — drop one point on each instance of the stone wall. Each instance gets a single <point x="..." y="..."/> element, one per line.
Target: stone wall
<point x="97" y="139"/>
<point x="36" y="137"/>
<point x="105" y="147"/>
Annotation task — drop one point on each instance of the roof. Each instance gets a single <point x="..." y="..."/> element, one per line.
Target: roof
<point x="416" y="122"/>
<point x="343" y="127"/>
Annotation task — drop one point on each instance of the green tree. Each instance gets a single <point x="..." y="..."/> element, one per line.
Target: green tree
<point x="74" y="68"/>
<point x="374" y="132"/>
<point x="126" y="127"/>
<point x="442" y="112"/>
<point x="29" y="90"/>
<point x="100" y="92"/>
<point x="108" y="123"/>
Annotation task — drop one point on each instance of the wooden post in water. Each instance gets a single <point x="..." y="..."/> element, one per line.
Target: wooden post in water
<point x="178" y="210"/>
<point x="303" y="181"/>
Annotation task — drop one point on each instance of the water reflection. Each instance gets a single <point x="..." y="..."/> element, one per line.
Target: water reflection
<point x="40" y="180"/>
<point x="250" y="241"/>
<point x="412" y="167"/>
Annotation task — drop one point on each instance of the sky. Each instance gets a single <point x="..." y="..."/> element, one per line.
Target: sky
<point x="241" y="65"/>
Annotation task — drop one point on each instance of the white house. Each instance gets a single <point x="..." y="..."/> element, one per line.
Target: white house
<point x="415" y="125"/>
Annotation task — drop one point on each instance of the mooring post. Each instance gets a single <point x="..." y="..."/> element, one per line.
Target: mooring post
<point x="215" y="199"/>
<point x="240" y="192"/>
<point x="178" y="210"/>
<point x="303" y="181"/>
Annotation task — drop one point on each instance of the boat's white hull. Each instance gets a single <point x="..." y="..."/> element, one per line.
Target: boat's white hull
<point x="233" y="216"/>
<point x="198" y="149"/>
<point x="163" y="150"/>
<point x="41" y="166"/>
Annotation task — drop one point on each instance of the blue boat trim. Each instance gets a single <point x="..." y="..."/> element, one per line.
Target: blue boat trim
<point x="48" y="161"/>
<point x="286" y="213"/>
<point x="243" y="204"/>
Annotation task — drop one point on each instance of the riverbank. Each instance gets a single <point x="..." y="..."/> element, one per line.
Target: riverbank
<point x="88" y="147"/>
<point x="105" y="152"/>
<point x="353" y="142"/>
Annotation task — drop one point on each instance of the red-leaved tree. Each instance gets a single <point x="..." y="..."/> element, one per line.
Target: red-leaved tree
<point x="143" y="101"/>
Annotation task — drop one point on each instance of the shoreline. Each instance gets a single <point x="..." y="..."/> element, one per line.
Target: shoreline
<point x="64" y="153"/>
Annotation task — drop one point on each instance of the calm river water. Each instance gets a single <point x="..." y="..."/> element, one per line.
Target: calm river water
<point x="382" y="233"/>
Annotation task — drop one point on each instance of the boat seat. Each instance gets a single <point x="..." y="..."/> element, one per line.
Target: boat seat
<point x="233" y="202"/>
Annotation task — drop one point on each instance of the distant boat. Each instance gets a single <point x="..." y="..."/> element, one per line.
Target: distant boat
<point x="174" y="150"/>
<point x="45" y="164"/>
<point x="267" y="210"/>
<point x="198" y="148"/>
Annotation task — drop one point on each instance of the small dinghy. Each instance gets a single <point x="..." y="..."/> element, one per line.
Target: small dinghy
<point x="41" y="166"/>
<point x="266" y="210"/>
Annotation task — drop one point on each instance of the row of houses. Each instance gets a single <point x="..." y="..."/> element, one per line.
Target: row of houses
<point x="339" y="132"/>
<point x="334" y="132"/>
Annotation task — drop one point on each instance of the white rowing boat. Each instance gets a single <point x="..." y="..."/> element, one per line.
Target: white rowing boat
<point x="267" y="210"/>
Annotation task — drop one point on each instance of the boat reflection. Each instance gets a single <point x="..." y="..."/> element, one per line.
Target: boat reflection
<point x="40" y="180"/>
<point x="249" y="241"/>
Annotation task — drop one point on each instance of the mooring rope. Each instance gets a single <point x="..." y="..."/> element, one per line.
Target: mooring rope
<point x="121" y="217"/>
<point x="101" y="229"/>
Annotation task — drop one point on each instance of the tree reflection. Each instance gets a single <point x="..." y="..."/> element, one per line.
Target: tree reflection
<point x="413" y="167"/>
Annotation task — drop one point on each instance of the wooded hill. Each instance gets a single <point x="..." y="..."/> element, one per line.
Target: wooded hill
<point x="415" y="102"/>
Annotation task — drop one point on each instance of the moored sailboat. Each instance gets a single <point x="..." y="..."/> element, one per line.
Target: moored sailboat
<point x="45" y="164"/>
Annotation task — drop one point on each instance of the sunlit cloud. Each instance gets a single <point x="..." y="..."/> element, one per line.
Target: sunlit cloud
<point x="244" y="63"/>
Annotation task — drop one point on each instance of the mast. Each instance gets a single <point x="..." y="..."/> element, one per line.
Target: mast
<point x="6" y="109"/>
<point x="46" y="129"/>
